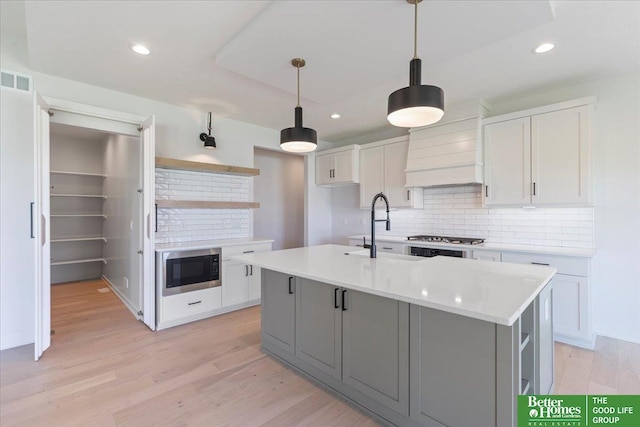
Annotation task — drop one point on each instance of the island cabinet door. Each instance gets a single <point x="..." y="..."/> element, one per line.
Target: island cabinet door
<point x="452" y="369"/>
<point x="319" y="326"/>
<point x="376" y="348"/>
<point x="278" y="310"/>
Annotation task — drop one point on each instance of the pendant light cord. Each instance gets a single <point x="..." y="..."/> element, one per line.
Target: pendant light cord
<point x="415" y="31"/>
<point x="298" y="68"/>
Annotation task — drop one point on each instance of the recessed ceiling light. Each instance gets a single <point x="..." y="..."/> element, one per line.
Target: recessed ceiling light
<point x="544" y="47"/>
<point x="335" y="116"/>
<point x="141" y="49"/>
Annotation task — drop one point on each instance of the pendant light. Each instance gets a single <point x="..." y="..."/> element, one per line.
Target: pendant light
<point x="417" y="104"/>
<point x="209" y="141"/>
<point x="298" y="139"/>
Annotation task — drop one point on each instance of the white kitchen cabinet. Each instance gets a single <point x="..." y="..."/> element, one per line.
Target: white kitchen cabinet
<point x="235" y="283"/>
<point x="571" y="300"/>
<point x="338" y="166"/>
<point x="190" y="305"/>
<point x="391" y="247"/>
<point x="382" y="166"/>
<point x="240" y="282"/>
<point x="495" y="256"/>
<point x="540" y="157"/>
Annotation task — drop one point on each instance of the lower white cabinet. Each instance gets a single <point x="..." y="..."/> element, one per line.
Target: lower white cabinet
<point x="391" y="247"/>
<point x="240" y="282"/>
<point x="190" y="306"/>
<point x="495" y="256"/>
<point x="571" y="300"/>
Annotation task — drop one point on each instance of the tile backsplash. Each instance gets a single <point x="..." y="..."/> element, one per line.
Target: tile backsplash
<point x="183" y="225"/>
<point x="458" y="211"/>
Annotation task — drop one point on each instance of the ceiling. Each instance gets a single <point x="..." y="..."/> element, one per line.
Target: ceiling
<point x="233" y="57"/>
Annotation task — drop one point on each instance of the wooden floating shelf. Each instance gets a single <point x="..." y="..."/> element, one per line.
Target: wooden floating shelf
<point x="164" y="163"/>
<point x="203" y="204"/>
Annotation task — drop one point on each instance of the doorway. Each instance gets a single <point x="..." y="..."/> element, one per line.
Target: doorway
<point x="96" y="214"/>
<point x="95" y="195"/>
<point x="280" y="190"/>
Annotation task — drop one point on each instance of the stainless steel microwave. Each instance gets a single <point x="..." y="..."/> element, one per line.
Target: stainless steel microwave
<point x="186" y="271"/>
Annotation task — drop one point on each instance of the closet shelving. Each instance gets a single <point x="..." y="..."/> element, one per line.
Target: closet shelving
<point x="77" y="211"/>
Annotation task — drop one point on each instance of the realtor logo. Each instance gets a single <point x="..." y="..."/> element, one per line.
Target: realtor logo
<point x="553" y="410"/>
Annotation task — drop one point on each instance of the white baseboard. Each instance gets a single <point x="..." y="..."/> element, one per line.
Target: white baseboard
<point x="123" y="298"/>
<point x="588" y="344"/>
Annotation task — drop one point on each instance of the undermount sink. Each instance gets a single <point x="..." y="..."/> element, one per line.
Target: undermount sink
<point x="365" y="254"/>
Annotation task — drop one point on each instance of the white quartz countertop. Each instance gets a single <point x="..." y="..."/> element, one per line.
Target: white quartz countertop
<point x="548" y="250"/>
<point x="207" y="244"/>
<point x="490" y="291"/>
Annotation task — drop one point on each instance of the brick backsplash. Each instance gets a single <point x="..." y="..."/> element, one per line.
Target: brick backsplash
<point x="458" y="211"/>
<point x="184" y="225"/>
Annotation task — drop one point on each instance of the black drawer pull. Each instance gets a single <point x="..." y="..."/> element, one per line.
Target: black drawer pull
<point x="290" y="283"/>
<point x="335" y="298"/>
<point x="389" y="249"/>
<point x="539" y="263"/>
<point x="248" y="252"/>
<point x="344" y="302"/>
<point x="194" y="303"/>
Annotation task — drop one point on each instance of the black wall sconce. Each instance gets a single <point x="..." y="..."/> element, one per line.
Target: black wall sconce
<point x="209" y="141"/>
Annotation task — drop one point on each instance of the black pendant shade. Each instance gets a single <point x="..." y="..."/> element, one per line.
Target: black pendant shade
<point x="298" y="139"/>
<point x="417" y="104"/>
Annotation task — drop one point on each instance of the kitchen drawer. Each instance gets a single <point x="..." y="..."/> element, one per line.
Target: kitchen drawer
<point x="396" y="248"/>
<point x="480" y="255"/>
<point x="230" y="251"/>
<point x="564" y="265"/>
<point x="190" y="303"/>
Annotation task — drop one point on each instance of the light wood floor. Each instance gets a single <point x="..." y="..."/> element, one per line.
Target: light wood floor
<point x="105" y="368"/>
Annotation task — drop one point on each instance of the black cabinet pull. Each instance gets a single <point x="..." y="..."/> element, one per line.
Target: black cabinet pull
<point x="194" y="303"/>
<point x="290" y="283"/>
<point x="534" y="188"/>
<point x="486" y="191"/>
<point x="156" y="217"/>
<point x="251" y="270"/>
<point x="539" y="263"/>
<point x="344" y="303"/>
<point x="408" y="194"/>
<point x="33" y="236"/>
<point x="248" y="252"/>
<point x="389" y="249"/>
<point x="335" y="298"/>
<point x="246" y="270"/>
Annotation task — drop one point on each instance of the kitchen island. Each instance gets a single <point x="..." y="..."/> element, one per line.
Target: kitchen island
<point x="416" y="341"/>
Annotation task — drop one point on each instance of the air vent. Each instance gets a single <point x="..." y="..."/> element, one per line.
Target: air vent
<point x="12" y="80"/>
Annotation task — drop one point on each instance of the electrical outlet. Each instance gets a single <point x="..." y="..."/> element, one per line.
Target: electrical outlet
<point x="346" y="221"/>
<point x="126" y="283"/>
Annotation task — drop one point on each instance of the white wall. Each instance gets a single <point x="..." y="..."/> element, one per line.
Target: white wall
<point x="280" y="190"/>
<point x="123" y="226"/>
<point x="616" y="266"/>
<point x="17" y="249"/>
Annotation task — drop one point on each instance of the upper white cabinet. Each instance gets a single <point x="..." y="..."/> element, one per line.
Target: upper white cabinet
<point x="338" y="166"/>
<point x="382" y="169"/>
<point x="543" y="158"/>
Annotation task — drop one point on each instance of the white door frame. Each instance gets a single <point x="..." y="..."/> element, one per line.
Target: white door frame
<point x="43" y="298"/>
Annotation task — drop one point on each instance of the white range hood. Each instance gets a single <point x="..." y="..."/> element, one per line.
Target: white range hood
<point x="447" y="153"/>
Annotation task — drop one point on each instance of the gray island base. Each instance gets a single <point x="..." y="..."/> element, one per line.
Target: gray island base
<point x="407" y="363"/>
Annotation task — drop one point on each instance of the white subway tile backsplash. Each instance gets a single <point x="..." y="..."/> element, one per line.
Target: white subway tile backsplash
<point x="458" y="211"/>
<point x="183" y="225"/>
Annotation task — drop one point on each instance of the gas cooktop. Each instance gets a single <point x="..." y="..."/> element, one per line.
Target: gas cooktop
<point x="443" y="239"/>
